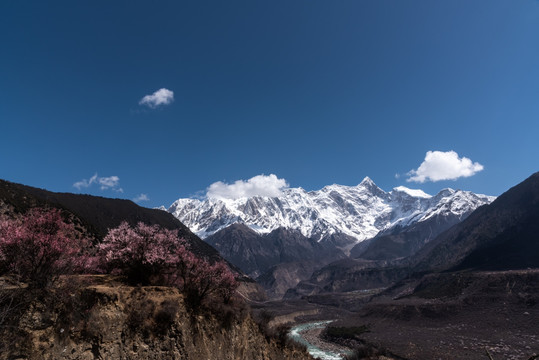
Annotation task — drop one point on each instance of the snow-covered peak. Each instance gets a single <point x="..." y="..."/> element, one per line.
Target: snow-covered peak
<point x="412" y="192"/>
<point x="358" y="211"/>
<point x="367" y="181"/>
<point x="445" y="193"/>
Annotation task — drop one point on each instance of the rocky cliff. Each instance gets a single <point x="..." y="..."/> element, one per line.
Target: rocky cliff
<point x="113" y="321"/>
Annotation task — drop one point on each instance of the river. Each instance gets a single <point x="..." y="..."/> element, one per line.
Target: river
<point x="296" y="334"/>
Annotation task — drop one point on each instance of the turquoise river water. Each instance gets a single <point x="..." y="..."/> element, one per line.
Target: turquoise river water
<point x="295" y="334"/>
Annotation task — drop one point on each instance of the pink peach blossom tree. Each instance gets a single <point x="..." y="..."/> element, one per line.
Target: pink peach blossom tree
<point x="198" y="278"/>
<point x="144" y="253"/>
<point x="149" y="254"/>
<point x="40" y="246"/>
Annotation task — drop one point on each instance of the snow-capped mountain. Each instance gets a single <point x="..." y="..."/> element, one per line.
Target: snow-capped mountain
<point x="360" y="211"/>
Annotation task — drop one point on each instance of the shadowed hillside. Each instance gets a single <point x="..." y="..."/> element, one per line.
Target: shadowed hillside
<point x="98" y="214"/>
<point x="501" y="236"/>
<point x="278" y="260"/>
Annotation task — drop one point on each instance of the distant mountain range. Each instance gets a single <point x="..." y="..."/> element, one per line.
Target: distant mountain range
<point x="503" y="235"/>
<point x="353" y="213"/>
<point x="281" y="241"/>
<point x="300" y="250"/>
<point x="437" y="266"/>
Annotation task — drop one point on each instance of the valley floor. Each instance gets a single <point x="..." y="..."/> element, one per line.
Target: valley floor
<point x="510" y="333"/>
<point x="449" y="316"/>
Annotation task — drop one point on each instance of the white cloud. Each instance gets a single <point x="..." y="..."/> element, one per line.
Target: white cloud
<point x="160" y="97"/>
<point x="106" y="183"/>
<point x="439" y="165"/>
<point x="85" y="183"/>
<point x="111" y="182"/>
<point x="260" y="185"/>
<point x="140" y="198"/>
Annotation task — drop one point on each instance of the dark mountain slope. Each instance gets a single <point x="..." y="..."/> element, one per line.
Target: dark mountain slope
<point x="501" y="236"/>
<point x="97" y="214"/>
<point x="278" y="279"/>
<point x="255" y="253"/>
<point x="279" y="260"/>
<point x="294" y="246"/>
<point x="243" y="247"/>
<point x="401" y="242"/>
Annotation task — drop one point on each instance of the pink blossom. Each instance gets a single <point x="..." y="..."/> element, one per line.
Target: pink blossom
<point x="149" y="254"/>
<point x="145" y="253"/>
<point x="39" y="246"/>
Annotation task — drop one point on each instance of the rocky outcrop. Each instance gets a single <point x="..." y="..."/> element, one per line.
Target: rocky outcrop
<point x="111" y="321"/>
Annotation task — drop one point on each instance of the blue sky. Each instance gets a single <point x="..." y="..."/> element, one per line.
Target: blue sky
<point x="315" y="92"/>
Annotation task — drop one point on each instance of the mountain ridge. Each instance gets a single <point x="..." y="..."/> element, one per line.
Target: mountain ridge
<point x="491" y="236"/>
<point x="98" y="214"/>
<point x="255" y="253"/>
<point x="499" y="236"/>
<point x="359" y="212"/>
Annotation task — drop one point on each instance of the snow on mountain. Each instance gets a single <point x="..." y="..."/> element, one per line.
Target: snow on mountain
<point x="413" y="192"/>
<point x="358" y="211"/>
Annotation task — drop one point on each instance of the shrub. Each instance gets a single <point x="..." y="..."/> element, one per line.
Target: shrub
<point x="165" y="316"/>
<point x="39" y="247"/>
<point x="73" y="301"/>
<point x="263" y="319"/>
<point x="152" y="255"/>
<point x="13" y="302"/>
<point x="145" y="254"/>
<point x="198" y="279"/>
<point x="148" y="318"/>
<point x="140" y="316"/>
<point x="229" y="313"/>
